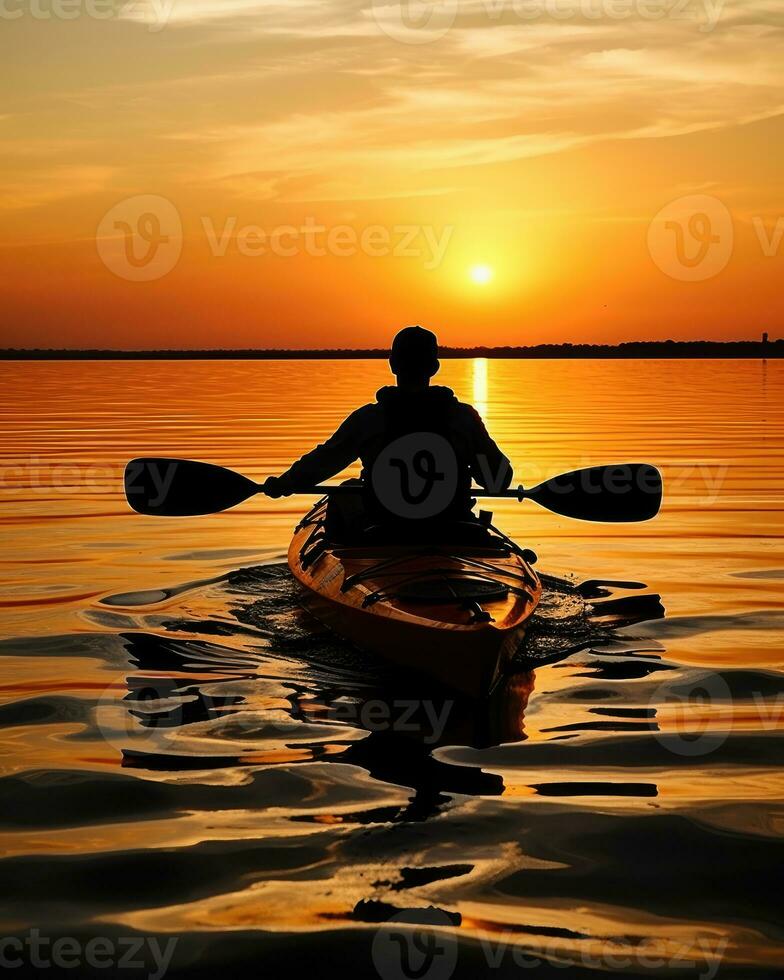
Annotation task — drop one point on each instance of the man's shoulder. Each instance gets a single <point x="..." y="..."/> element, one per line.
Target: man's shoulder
<point x="364" y="415"/>
<point x="467" y="411"/>
<point x="366" y="411"/>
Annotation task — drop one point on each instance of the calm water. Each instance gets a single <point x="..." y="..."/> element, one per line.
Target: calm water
<point x="182" y="759"/>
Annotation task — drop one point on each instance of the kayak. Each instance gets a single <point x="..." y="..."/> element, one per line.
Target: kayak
<point x="455" y="612"/>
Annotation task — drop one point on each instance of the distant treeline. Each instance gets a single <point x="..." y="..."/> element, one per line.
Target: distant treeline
<point x="631" y="349"/>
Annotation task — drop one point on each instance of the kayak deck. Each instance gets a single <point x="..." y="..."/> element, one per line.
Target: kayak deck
<point x="454" y="612"/>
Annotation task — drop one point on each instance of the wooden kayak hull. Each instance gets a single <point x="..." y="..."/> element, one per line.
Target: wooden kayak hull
<point x="395" y="602"/>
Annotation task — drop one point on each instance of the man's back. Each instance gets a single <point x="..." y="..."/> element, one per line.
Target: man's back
<point x="412" y="432"/>
<point x="396" y="413"/>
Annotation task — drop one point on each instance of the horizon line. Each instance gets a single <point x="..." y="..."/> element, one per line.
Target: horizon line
<point x="742" y="348"/>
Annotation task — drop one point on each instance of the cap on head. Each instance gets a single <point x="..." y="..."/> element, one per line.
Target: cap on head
<point x="414" y="353"/>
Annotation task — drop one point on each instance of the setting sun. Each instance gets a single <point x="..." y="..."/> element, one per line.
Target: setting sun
<point x="481" y="274"/>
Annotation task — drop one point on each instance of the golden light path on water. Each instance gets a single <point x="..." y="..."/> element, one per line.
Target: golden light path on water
<point x="479" y="386"/>
<point x="168" y="764"/>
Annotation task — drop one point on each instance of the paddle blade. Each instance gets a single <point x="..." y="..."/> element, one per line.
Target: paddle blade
<point x="615" y="494"/>
<point x="183" y="487"/>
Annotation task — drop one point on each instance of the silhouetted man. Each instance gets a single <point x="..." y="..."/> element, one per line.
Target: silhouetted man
<point x="413" y="409"/>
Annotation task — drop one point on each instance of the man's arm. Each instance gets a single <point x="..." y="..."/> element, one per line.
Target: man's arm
<point x="330" y="457"/>
<point x="489" y="466"/>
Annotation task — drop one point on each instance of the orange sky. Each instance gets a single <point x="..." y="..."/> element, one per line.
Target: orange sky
<point x="145" y="151"/>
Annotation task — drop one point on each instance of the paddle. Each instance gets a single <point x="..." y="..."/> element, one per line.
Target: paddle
<point x="187" y="488"/>
<point x="615" y="494"/>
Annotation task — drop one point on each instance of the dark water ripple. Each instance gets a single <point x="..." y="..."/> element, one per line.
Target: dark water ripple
<point x="223" y="772"/>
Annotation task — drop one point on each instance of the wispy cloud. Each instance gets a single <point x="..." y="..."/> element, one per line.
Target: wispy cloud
<point x="294" y="100"/>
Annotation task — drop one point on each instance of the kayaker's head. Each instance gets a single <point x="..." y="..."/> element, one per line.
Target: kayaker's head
<point x="414" y="357"/>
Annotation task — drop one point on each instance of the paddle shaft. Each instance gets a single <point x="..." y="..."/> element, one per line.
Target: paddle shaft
<point x="326" y="490"/>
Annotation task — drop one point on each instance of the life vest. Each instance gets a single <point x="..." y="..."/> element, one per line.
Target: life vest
<point x="416" y="466"/>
